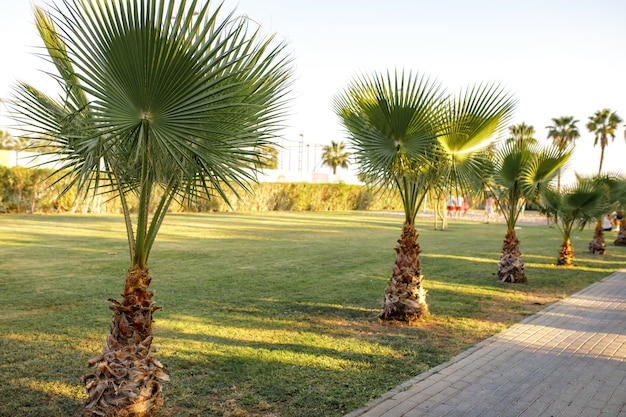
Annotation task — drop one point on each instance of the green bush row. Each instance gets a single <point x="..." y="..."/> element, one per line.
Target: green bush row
<point x="25" y="190"/>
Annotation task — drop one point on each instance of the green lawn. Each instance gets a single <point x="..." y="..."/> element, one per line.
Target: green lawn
<point x="264" y="314"/>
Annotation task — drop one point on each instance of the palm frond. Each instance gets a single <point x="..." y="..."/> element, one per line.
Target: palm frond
<point x="172" y="94"/>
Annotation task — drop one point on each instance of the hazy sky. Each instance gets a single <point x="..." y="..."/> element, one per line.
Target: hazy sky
<point x="557" y="57"/>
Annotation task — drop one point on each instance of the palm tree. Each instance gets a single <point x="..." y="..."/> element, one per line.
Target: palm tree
<point x="401" y="126"/>
<point x="603" y="124"/>
<point x="162" y="102"/>
<point x="615" y="184"/>
<point x="520" y="170"/>
<point x="522" y="133"/>
<point x="335" y="155"/>
<point x="577" y="205"/>
<point x="563" y="133"/>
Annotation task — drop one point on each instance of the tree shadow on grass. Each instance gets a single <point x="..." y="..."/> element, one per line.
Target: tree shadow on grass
<point x="41" y="378"/>
<point x="307" y="368"/>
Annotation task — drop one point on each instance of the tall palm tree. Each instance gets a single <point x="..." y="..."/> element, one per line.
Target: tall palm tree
<point x="575" y="206"/>
<point x="522" y="133"/>
<point x="563" y="133"/>
<point x="335" y="155"/>
<point x="401" y="126"/>
<point x="162" y="100"/>
<point x="603" y="124"/>
<point x="520" y="170"/>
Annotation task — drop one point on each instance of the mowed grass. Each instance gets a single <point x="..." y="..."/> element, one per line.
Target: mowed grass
<point x="264" y="314"/>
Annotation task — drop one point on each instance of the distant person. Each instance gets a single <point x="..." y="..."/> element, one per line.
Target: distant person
<point x="459" y="206"/>
<point x="451" y="205"/>
<point x="490" y="205"/>
<point x="617" y="220"/>
<point x="607" y="224"/>
<point x="465" y="205"/>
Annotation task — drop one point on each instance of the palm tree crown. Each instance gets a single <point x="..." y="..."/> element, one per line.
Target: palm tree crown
<point x="563" y="133"/>
<point x="603" y="124"/>
<point x="522" y="133"/>
<point x="335" y="155"/>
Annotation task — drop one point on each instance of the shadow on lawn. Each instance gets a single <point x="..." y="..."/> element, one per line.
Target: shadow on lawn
<point x="314" y="360"/>
<point x="37" y="380"/>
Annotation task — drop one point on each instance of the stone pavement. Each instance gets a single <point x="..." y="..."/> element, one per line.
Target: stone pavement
<point x="567" y="360"/>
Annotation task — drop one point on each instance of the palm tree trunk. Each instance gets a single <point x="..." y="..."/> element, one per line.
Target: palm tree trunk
<point x="405" y="297"/>
<point x="601" y="158"/>
<point x="597" y="246"/>
<point x="566" y="256"/>
<point x="621" y="235"/>
<point x="511" y="268"/>
<point x="125" y="381"/>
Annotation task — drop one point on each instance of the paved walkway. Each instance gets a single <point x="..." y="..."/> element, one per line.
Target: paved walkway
<point x="567" y="360"/>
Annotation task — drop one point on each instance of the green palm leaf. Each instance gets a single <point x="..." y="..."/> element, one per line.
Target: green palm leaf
<point x="158" y="96"/>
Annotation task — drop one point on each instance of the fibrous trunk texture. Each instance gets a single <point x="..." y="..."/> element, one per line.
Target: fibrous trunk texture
<point x="621" y="235"/>
<point x="597" y="246"/>
<point x="126" y="376"/>
<point x="405" y="298"/>
<point x="511" y="267"/>
<point x="566" y="256"/>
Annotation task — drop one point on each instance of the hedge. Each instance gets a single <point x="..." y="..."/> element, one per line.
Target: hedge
<point x="32" y="190"/>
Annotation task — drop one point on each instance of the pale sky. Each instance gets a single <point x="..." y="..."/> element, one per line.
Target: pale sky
<point x="557" y="57"/>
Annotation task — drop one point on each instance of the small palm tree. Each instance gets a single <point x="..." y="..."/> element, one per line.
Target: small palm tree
<point x="161" y="102"/>
<point x="603" y="124"/>
<point x="520" y="170"/>
<point x="575" y="206"/>
<point x="615" y="184"/>
<point x="335" y="155"/>
<point x="401" y="126"/>
<point x="563" y="133"/>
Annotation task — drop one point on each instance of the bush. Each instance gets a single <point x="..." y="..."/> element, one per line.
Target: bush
<point x="30" y="190"/>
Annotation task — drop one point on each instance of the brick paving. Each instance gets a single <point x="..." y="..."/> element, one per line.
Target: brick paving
<point x="568" y="360"/>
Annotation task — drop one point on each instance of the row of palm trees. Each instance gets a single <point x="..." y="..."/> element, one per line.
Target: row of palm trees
<point x="603" y="124"/>
<point x="410" y="135"/>
<point x="170" y="100"/>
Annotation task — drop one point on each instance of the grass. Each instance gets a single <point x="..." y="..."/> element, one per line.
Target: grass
<point x="265" y="314"/>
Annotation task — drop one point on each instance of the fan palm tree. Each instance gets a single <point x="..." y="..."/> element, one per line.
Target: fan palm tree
<point x="520" y="170"/>
<point x="615" y="184"/>
<point x="401" y="125"/>
<point x="603" y="124"/>
<point x="575" y="206"/>
<point x="335" y="155"/>
<point x="563" y="133"/>
<point x="161" y="100"/>
<point x="618" y="195"/>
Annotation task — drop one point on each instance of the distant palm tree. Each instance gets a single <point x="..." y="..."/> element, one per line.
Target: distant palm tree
<point x="403" y="128"/>
<point x="268" y="157"/>
<point x="163" y="102"/>
<point x="335" y="155"/>
<point x="522" y="133"/>
<point x="576" y="205"/>
<point x="603" y="124"/>
<point x="563" y="133"/>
